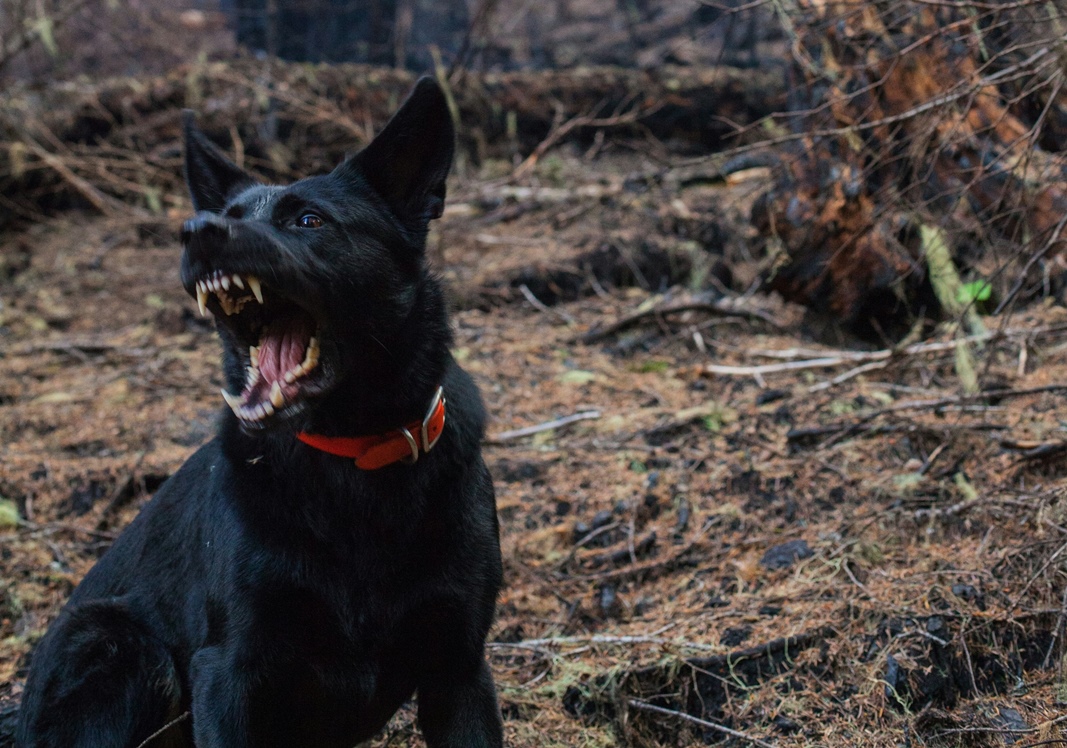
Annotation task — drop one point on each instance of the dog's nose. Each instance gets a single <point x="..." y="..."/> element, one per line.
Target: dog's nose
<point x="204" y="228"/>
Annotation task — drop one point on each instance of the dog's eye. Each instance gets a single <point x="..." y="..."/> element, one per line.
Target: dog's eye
<point x="309" y="221"/>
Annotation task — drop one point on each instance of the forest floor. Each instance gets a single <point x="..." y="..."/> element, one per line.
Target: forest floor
<point x="872" y="561"/>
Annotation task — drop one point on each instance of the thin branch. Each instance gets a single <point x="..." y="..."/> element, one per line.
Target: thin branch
<point x="540" y="306"/>
<point x="585" y="415"/>
<point x="561" y="130"/>
<point x="180" y="718"/>
<point x="719" y="309"/>
<point x="646" y="707"/>
<point x="838" y="358"/>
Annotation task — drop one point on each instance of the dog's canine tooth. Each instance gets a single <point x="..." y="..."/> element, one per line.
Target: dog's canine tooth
<point x="253" y="354"/>
<point x="257" y="290"/>
<point x="277" y="399"/>
<point x="233" y="401"/>
<point x="201" y="300"/>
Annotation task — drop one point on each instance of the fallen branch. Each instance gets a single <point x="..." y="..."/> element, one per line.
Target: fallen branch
<point x="659" y="566"/>
<point x="561" y="641"/>
<point x="586" y="415"/>
<point x="850" y="374"/>
<point x="540" y="306"/>
<point x="719" y="309"/>
<point x="177" y="720"/>
<point x="645" y="706"/>
<point x="829" y="359"/>
<point x="843" y="430"/>
<point x="561" y="130"/>
<point x="105" y="204"/>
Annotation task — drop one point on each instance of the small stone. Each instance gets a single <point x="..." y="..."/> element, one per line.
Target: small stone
<point x="580" y="531"/>
<point x="1011" y="719"/>
<point x="786" y="554"/>
<point x="769" y="396"/>
<point x="735" y="635"/>
<point x="601" y="518"/>
<point x="609" y="602"/>
<point x="683" y="517"/>
<point x="785" y="725"/>
<point x="895" y="680"/>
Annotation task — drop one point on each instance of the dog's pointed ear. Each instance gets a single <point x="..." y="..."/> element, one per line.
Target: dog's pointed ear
<point x="408" y="162"/>
<point x="212" y="178"/>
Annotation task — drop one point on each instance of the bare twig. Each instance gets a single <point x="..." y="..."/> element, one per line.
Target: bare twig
<point x="105" y="204"/>
<point x="722" y="310"/>
<point x="585" y="415"/>
<point x="831" y="359"/>
<point x="540" y="306"/>
<point x="560" y="130"/>
<point x="646" y="707"/>
<point x="177" y="720"/>
<point x="562" y="641"/>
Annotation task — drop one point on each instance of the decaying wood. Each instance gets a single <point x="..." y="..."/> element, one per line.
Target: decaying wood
<point x="913" y="115"/>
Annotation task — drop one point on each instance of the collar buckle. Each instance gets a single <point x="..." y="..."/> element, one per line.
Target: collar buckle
<point x="427" y="443"/>
<point x="412" y="444"/>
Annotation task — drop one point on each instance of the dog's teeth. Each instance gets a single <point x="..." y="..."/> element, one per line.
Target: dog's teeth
<point x="233" y="401"/>
<point x="251" y="375"/>
<point x="267" y="408"/>
<point x="228" y="304"/>
<point x="253" y="353"/>
<point x="201" y="300"/>
<point x="225" y="281"/>
<point x="277" y="399"/>
<point x="257" y="290"/>
<point x="311" y="356"/>
<point x="292" y="374"/>
<point x="237" y="281"/>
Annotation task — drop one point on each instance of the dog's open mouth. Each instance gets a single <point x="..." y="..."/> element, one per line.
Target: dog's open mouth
<point x="277" y="339"/>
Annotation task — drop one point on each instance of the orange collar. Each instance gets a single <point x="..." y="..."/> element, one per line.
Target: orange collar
<point x="377" y="451"/>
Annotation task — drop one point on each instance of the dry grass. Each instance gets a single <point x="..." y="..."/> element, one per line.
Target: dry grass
<point x="937" y="533"/>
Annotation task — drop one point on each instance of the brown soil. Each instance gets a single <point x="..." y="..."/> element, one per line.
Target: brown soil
<point x="922" y="590"/>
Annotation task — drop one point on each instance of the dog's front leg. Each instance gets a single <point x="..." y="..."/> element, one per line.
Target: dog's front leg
<point x="459" y="709"/>
<point x="220" y="718"/>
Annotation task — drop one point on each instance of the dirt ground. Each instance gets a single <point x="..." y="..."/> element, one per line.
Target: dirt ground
<point x="872" y="561"/>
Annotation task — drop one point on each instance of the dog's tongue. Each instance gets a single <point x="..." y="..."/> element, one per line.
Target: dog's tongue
<point x="282" y="348"/>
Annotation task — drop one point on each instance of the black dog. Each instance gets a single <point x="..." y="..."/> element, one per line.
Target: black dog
<point x="335" y="548"/>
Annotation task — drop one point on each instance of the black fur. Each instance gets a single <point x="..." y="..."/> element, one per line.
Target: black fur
<point x="279" y="593"/>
